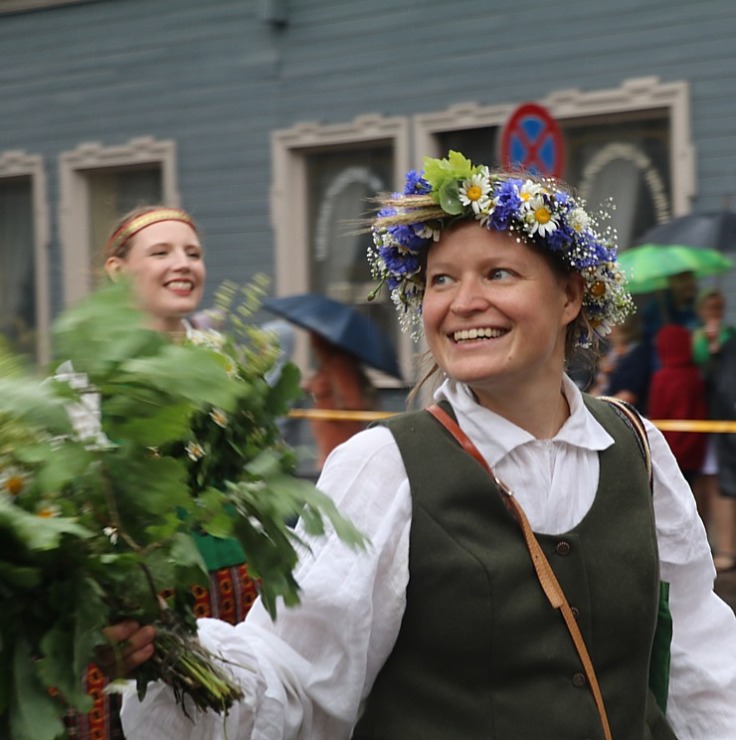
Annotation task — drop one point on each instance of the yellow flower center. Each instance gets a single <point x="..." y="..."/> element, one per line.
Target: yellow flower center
<point x="14" y="485"/>
<point x="46" y="513"/>
<point x="598" y="289"/>
<point x="542" y="215"/>
<point x="474" y="192"/>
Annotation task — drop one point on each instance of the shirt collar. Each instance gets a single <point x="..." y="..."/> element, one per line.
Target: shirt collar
<point x="496" y="437"/>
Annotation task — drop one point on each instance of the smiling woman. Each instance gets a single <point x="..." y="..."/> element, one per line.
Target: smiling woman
<point x="456" y="620"/>
<point x="158" y="248"/>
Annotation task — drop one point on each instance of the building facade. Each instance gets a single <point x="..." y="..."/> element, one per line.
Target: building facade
<point x="276" y="121"/>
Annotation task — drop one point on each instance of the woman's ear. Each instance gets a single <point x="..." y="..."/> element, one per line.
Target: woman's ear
<point x="113" y="268"/>
<point x="574" y="292"/>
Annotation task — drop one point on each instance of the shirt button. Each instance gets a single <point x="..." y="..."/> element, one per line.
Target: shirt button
<point x="562" y="548"/>
<point x="579" y="680"/>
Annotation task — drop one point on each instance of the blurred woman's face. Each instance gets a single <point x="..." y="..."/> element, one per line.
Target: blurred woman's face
<point x="165" y="261"/>
<point x="712" y="308"/>
<point x="495" y="312"/>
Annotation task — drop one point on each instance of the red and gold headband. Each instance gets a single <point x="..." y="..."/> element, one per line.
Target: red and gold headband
<point x="132" y="226"/>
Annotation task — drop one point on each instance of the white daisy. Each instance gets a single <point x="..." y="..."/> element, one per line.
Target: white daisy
<point x="540" y="217"/>
<point x="579" y="220"/>
<point x="528" y="193"/>
<point x="475" y="191"/>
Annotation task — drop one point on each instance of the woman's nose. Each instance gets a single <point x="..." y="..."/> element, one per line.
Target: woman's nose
<point x="181" y="260"/>
<point x="469" y="297"/>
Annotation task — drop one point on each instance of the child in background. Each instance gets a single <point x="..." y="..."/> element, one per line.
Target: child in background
<point x="677" y="391"/>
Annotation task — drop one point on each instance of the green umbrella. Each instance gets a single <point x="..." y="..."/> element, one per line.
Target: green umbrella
<point x="647" y="267"/>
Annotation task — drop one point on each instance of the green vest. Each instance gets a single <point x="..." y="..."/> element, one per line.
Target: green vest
<point x="480" y="652"/>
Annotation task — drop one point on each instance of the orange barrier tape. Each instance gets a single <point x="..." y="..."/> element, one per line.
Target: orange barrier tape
<point x="689" y="425"/>
<point x="666" y="425"/>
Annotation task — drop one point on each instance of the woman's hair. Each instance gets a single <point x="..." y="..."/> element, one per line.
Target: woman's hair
<point x="128" y="225"/>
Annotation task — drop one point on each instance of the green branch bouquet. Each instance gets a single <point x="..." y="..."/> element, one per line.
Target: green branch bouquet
<point x="108" y="472"/>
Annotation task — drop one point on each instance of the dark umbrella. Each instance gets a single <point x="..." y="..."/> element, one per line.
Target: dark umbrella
<point x="341" y="324"/>
<point x="716" y="230"/>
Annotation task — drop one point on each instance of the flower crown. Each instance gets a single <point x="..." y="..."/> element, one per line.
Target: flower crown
<point x="536" y="211"/>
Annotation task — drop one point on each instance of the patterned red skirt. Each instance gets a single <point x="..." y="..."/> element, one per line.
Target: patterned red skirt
<point x="230" y="596"/>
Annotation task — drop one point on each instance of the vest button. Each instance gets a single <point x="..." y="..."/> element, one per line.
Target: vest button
<point x="575" y="612"/>
<point x="562" y="548"/>
<point x="579" y="680"/>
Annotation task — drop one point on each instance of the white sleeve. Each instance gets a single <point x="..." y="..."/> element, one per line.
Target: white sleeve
<point x="305" y="675"/>
<point x="702" y="696"/>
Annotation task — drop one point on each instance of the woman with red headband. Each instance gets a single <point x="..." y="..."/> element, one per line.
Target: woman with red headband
<point x="158" y="248"/>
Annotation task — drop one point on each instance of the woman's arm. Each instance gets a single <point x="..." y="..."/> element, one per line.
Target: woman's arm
<point x="305" y="674"/>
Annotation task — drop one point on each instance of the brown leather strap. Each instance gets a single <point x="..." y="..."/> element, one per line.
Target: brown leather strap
<point x="547" y="579"/>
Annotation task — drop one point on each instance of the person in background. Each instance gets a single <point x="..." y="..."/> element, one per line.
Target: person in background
<point x="513" y="495"/>
<point x="674" y="305"/>
<point x="677" y="391"/>
<point x="159" y="248"/>
<point x="717" y="511"/>
<point x="625" y="370"/>
<point x="339" y="383"/>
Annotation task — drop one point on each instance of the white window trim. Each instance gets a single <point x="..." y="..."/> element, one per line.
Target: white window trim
<point x="17" y="163"/>
<point x="74" y="198"/>
<point x="642" y="93"/>
<point x="289" y="150"/>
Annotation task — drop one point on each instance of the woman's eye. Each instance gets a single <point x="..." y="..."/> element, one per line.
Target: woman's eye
<point x="439" y="279"/>
<point x="499" y="273"/>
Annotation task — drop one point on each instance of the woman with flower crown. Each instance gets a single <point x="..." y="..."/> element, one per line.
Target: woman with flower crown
<point x="159" y="249"/>
<point x="523" y="535"/>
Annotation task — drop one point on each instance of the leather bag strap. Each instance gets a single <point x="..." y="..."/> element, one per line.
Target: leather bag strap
<point x="547" y="579"/>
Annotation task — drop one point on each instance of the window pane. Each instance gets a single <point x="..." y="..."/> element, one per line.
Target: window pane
<point x="342" y="185"/>
<point x="17" y="265"/>
<point x="479" y="145"/>
<point x="627" y="160"/>
<point x="114" y="193"/>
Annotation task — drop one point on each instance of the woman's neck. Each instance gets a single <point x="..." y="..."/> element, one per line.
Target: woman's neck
<point x="541" y="414"/>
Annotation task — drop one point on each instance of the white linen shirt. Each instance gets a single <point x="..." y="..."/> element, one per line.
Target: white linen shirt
<point x="305" y="675"/>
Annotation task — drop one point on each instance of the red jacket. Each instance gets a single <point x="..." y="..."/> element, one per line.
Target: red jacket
<point x="677" y="391"/>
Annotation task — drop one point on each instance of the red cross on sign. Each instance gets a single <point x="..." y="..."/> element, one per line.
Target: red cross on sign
<point x="532" y="139"/>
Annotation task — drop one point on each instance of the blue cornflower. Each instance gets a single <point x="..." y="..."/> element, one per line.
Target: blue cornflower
<point x="416" y="184"/>
<point x="405" y="235"/>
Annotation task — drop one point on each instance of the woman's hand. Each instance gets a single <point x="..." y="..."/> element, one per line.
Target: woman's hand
<point x="130" y="646"/>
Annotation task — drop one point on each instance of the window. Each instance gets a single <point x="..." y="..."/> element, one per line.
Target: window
<point x="24" y="293"/>
<point x="631" y="143"/>
<point x="98" y="185"/>
<point x="324" y="180"/>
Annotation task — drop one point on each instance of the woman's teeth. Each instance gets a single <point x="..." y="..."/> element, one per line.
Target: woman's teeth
<point x="180" y="285"/>
<point x="465" y="334"/>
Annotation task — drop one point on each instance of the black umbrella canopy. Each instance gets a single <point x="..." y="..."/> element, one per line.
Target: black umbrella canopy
<point x="341" y="324"/>
<point x="716" y="230"/>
